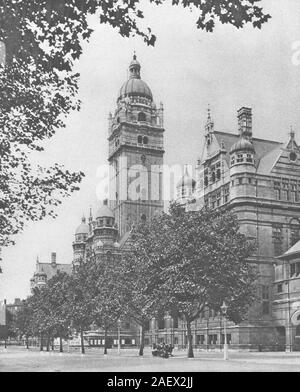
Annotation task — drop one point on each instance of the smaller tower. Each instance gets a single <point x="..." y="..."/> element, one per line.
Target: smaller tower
<point x="185" y="187"/>
<point x="105" y="230"/>
<point x="79" y="245"/>
<point x="242" y="158"/>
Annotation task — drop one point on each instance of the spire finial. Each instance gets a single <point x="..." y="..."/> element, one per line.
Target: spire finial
<point x="83" y="219"/>
<point x="185" y="169"/>
<point x="91" y="215"/>
<point x="209" y="127"/>
<point x="292" y="132"/>
<point x="134" y="68"/>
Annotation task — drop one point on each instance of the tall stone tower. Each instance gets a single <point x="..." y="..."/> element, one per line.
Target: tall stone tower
<point x="135" y="152"/>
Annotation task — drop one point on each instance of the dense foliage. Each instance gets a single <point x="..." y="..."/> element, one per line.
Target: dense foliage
<point x="194" y="260"/>
<point x="179" y="263"/>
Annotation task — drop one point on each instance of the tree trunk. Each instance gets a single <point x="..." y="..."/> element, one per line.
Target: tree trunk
<point x="27" y="343"/>
<point x="105" y="341"/>
<point x="52" y="344"/>
<point x="190" y="353"/>
<point x="82" y="342"/>
<point x="61" y="348"/>
<point x="48" y="342"/>
<point x="142" y="341"/>
<point x="41" y="345"/>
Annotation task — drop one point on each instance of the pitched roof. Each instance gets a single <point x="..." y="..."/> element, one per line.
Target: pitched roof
<point x="264" y="149"/>
<point x="267" y="162"/>
<point x="292" y="252"/>
<point x="51" y="269"/>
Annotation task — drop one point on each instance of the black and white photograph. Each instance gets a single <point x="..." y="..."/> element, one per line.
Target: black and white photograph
<point x="149" y="189"/>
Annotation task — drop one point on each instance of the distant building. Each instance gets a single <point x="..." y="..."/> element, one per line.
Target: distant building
<point x="15" y="306"/>
<point x="45" y="271"/>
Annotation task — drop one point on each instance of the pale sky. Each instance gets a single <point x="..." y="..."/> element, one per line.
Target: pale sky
<point x="186" y="70"/>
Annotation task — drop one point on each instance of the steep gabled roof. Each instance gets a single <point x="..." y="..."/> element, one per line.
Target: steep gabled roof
<point x="50" y="271"/>
<point x="264" y="149"/>
<point x="292" y="252"/>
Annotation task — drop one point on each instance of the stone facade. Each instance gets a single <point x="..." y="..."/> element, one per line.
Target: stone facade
<point x="45" y="271"/>
<point x="259" y="180"/>
<point x="135" y="146"/>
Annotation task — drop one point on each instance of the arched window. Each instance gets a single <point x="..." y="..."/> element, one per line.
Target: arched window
<point x="205" y="181"/>
<point x="140" y="139"/>
<point x="145" y="140"/>
<point x="141" y="116"/>
<point x="298" y="330"/>
<point x="218" y="174"/>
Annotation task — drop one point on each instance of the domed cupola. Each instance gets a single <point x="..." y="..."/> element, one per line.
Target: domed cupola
<point x="135" y="86"/>
<point x="82" y="231"/>
<point x="83" y="228"/>
<point x="105" y="229"/>
<point x="185" y="186"/>
<point x="242" y="145"/>
<point x="242" y="153"/>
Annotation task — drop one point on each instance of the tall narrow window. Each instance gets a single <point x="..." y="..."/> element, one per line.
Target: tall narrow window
<point x="265" y="300"/>
<point x="277" y="194"/>
<point x="141" y="116"/>
<point x="277" y="239"/>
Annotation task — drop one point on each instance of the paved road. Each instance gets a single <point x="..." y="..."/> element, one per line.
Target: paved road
<point x="19" y="359"/>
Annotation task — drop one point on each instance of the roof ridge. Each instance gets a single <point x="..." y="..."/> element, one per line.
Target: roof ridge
<point x="254" y="138"/>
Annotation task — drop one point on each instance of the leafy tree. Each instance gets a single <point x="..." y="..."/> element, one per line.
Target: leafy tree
<point x="137" y="281"/>
<point x="57" y="300"/>
<point x="42" y="320"/>
<point x="194" y="260"/>
<point x="103" y="293"/>
<point x="23" y="322"/>
<point x="79" y="306"/>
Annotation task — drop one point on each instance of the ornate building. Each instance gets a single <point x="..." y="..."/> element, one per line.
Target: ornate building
<point x="259" y="180"/>
<point x="135" y="154"/>
<point x="135" y="148"/>
<point x="45" y="271"/>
